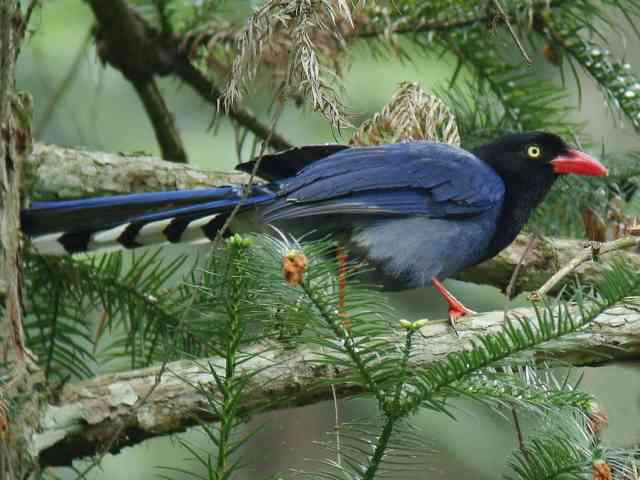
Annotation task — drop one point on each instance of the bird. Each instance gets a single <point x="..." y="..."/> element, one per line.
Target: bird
<point x="417" y="212"/>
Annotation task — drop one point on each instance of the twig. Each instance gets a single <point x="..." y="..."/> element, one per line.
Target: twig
<point x="209" y="92"/>
<point x="516" y="424"/>
<point x="27" y="16"/>
<point x="252" y="177"/>
<point x="426" y="26"/>
<point x="512" y="31"/>
<point x="592" y="249"/>
<point x="225" y="227"/>
<point x="514" y="276"/>
<point x="337" y="425"/>
<point x="64" y="85"/>
<point x="162" y="120"/>
<point x="512" y="282"/>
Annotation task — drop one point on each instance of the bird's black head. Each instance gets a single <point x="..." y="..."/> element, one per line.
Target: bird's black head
<point x="534" y="157"/>
<point x="529" y="163"/>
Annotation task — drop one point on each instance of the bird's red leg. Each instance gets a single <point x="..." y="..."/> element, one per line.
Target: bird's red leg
<point x="456" y="308"/>
<point x="342" y="257"/>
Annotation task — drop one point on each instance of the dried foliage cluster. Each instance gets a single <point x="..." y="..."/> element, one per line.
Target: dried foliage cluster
<point x="412" y="114"/>
<point x="301" y="42"/>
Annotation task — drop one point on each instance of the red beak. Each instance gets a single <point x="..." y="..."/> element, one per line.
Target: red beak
<point x="578" y="163"/>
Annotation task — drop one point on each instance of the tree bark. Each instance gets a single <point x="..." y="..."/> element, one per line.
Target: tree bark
<point x="57" y="173"/>
<point x="13" y="147"/>
<point x="15" y="144"/>
<point x="107" y="409"/>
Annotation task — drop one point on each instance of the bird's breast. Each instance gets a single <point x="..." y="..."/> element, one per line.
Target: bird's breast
<point x="408" y="251"/>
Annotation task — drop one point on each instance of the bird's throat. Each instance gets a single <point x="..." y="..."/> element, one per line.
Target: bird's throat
<point x="522" y="197"/>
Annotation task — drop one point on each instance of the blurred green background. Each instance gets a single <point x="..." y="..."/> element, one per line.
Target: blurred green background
<point x="101" y="111"/>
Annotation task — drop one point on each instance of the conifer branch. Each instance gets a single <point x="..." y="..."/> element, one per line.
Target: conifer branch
<point x="93" y="409"/>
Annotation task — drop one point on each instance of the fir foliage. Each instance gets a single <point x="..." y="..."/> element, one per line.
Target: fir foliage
<point x="227" y="309"/>
<point x="135" y="310"/>
<point x="83" y="310"/>
<point x="375" y="353"/>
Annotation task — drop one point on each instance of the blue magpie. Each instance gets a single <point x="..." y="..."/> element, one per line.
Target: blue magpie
<point x="417" y="212"/>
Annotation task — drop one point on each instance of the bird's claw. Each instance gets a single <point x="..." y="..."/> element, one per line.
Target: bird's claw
<point x="456" y="312"/>
<point x="456" y="308"/>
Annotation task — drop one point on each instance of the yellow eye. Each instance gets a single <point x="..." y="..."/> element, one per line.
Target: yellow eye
<point x="534" y="151"/>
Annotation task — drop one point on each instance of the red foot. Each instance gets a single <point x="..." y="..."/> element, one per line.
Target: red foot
<point x="343" y="259"/>
<point x="456" y="308"/>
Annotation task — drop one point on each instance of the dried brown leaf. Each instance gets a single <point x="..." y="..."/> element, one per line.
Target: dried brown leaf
<point x="412" y="114"/>
<point x="301" y="43"/>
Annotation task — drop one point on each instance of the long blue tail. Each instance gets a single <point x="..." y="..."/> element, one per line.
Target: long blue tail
<point x="129" y="221"/>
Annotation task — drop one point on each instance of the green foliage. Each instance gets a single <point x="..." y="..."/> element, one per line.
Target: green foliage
<point x="380" y="356"/>
<point x="133" y="306"/>
<point x="226" y="305"/>
<point x="240" y="301"/>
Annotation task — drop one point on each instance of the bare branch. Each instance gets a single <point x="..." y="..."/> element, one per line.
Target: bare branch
<point x="591" y="251"/>
<point x="546" y="255"/>
<point x="128" y="43"/>
<point x="162" y="120"/>
<point x="512" y="32"/>
<point x="57" y="172"/>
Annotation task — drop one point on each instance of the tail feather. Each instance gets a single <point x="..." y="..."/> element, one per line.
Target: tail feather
<point x="132" y="221"/>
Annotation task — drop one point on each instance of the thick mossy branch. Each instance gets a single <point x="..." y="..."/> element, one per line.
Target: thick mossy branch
<point x="57" y="172"/>
<point x="63" y="173"/>
<point x="89" y="411"/>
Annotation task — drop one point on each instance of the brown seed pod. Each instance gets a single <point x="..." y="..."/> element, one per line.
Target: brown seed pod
<point x="601" y="470"/>
<point x="294" y="264"/>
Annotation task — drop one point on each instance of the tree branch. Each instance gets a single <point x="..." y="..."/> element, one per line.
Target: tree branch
<point x="209" y="92"/>
<point x="90" y="413"/>
<point x="547" y="255"/>
<point x="128" y="43"/>
<point x="591" y="251"/>
<point x="15" y="146"/>
<point x="162" y="119"/>
<point x="55" y="172"/>
<point x="15" y="143"/>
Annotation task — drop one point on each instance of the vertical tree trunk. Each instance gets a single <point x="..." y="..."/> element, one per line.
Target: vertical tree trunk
<point x="15" y="143"/>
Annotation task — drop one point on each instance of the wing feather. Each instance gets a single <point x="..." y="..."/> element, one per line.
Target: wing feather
<point x="420" y="178"/>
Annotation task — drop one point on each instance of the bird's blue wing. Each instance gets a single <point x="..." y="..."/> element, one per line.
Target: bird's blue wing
<point x="419" y="178"/>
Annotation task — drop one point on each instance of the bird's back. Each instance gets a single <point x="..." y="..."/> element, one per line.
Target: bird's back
<point x="413" y="211"/>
